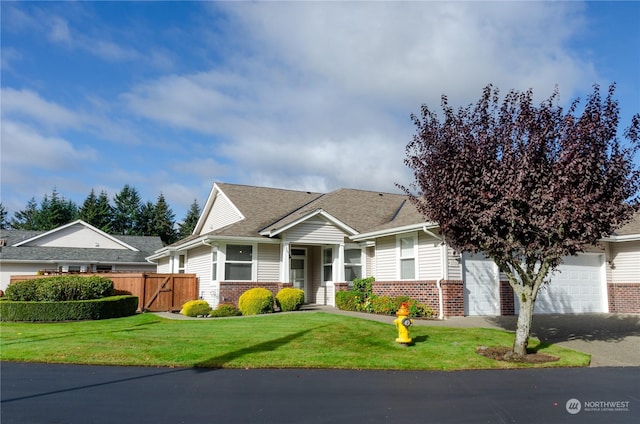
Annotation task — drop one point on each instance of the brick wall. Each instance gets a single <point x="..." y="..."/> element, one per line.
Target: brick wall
<point x="507" y="301"/>
<point x="426" y="292"/>
<point x="624" y="298"/>
<point x="230" y="291"/>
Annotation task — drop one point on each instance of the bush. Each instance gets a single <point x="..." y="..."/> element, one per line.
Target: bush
<point x="74" y="310"/>
<point x="225" y="310"/>
<point x="256" y="301"/>
<point x="416" y="309"/>
<point x="348" y="300"/>
<point x="60" y="288"/>
<point x="289" y="299"/>
<point x="382" y="305"/>
<point x="194" y="308"/>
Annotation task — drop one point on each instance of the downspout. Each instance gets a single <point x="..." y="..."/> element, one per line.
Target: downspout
<point x="443" y="269"/>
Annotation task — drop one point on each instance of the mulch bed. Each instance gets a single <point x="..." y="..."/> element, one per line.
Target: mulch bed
<point x="499" y="352"/>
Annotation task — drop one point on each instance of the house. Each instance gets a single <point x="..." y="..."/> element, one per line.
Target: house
<point x="74" y="247"/>
<point x="319" y="242"/>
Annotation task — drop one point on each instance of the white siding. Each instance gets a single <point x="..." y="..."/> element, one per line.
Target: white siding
<point x="626" y="262"/>
<point x="9" y="269"/>
<point x="429" y="253"/>
<point x="76" y="236"/>
<point x="269" y="262"/>
<point x="315" y="231"/>
<point x="370" y="269"/>
<point x="222" y="213"/>
<point x="386" y="259"/>
<point x="455" y="265"/>
<point x="199" y="263"/>
<point x="164" y="265"/>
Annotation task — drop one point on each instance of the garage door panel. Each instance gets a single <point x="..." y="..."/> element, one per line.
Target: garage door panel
<point x="481" y="293"/>
<point x="576" y="287"/>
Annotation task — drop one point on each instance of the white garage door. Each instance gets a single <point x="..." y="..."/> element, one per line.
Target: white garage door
<point x="577" y="287"/>
<point x="481" y="293"/>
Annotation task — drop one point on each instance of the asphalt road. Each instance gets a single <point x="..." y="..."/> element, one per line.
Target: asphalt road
<point x="41" y="393"/>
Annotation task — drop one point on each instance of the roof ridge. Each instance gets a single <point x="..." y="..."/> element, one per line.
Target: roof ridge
<point x="292" y="212"/>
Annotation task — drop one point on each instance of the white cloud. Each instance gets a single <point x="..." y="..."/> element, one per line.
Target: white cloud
<point x="27" y="103"/>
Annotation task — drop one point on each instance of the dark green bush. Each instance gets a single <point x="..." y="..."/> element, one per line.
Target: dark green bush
<point x="256" y="301"/>
<point x="289" y="299"/>
<point x="416" y="309"/>
<point x="225" y="310"/>
<point x="108" y="307"/>
<point x="61" y="288"/>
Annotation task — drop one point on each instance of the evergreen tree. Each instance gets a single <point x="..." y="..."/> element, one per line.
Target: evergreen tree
<point x="97" y="211"/>
<point x="190" y="220"/>
<point x="163" y="221"/>
<point x="27" y="218"/>
<point x="55" y="211"/>
<point x="144" y="226"/>
<point x="126" y="214"/>
<point x="3" y="217"/>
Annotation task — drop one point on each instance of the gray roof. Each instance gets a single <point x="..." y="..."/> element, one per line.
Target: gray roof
<point x="146" y="246"/>
<point x="271" y="209"/>
<point x="630" y="228"/>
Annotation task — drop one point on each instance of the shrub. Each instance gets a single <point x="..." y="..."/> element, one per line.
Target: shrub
<point x="382" y="305"/>
<point x="256" y="301"/>
<point x="225" y="310"/>
<point x="416" y="309"/>
<point x="348" y="300"/>
<point x="74" y="310"/>
<point x="60" y="288"/>
<point x="194" y="308"/>
<point x="290" y="299"/>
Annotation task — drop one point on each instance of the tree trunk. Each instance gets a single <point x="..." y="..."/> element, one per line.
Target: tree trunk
<point x="523" y="328"/>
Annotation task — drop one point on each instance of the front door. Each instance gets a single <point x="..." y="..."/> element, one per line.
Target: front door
<point x="298" y="267"/>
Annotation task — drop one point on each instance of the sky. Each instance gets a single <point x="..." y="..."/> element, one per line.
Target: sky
<point x="170" y="97"/>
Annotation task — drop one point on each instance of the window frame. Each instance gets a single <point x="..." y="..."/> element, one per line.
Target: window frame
<point x="401" y="257"/>
<point x="252" y="262"/>
<point x="360" y="263"/>
<point x="328" y="265"/>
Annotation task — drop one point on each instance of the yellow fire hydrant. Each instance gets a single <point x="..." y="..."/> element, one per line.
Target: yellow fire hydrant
<point x="402" y="323"/>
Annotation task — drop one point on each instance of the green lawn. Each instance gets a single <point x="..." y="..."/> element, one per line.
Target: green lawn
<point x="299" y="340"/>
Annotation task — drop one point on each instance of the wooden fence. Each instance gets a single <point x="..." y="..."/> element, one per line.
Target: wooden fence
<point x="156" y="292"/>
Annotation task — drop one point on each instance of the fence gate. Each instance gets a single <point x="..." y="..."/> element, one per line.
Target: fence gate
<point x="168" y="292"/>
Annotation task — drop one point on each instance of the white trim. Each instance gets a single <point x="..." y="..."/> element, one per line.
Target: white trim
<point x="392" y="231"/>
<point x="618" y="239"/>
<point x="79" y="221"/>
<point x="254" y="261"/>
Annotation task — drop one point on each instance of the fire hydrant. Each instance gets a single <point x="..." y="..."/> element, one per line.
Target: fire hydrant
<point x="402" y="323"/>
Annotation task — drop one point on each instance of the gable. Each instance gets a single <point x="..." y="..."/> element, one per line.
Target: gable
<point x="77" y="234"/>
<point x="316" y="230"/>
<point x="220" y="213"/>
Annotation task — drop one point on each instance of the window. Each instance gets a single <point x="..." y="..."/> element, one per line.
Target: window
<point x="181" y="264"/>
<point x="352" y="264"/>
<point x="239" y="263"/>
<point x="103" y="268"/>
<point x="407" y="249"/>
<point x="327" y="264"/>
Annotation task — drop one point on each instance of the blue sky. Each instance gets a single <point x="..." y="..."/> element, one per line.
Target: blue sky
<point x="172" y="96"/>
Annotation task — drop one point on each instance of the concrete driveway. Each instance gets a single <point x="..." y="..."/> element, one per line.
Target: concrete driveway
<point x="612" y="340"/>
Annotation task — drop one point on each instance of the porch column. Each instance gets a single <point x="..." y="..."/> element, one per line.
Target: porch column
<point x="285" y="261"/>
<point x="340" y="272"/>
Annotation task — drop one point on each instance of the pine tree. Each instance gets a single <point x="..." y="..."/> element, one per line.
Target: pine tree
<point x="27" y="218"/>
<point x="164" y="221"/>
<point x="97" y="211"/>
<point x="190" y="220"/>
<point x="3" y="217"/>
<point x="126" y="214"/>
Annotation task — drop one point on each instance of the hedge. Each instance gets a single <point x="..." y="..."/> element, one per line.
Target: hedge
<point x="72" y="310"/>
<point x="289" y="299"/>
<point x="256" y="301"/>
<point x="60" y="288"/>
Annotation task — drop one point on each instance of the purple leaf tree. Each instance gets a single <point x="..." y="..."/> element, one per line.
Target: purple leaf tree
<point x="526" y="184"/>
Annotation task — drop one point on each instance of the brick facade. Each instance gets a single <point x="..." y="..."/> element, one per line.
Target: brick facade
<point x="624" y="298"/>
<point x="426" y="292"/>
<point x="230" y="291"/>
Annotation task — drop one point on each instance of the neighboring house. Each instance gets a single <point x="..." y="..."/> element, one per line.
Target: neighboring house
<point x="74" y="247"/>
<point x="265" y="237"/>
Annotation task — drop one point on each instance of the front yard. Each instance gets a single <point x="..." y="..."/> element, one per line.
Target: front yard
<point x="297" y="340"/>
